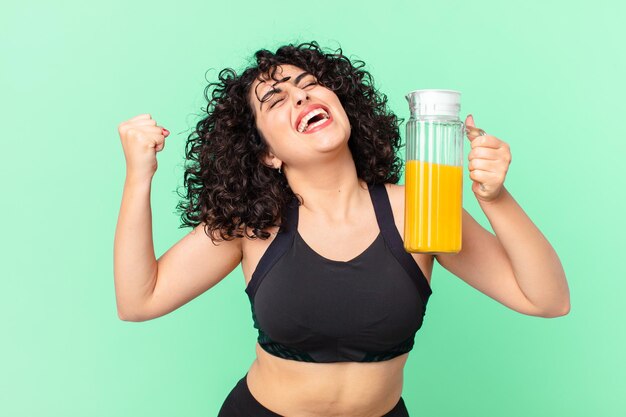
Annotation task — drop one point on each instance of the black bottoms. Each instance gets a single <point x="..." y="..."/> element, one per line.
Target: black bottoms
<point x="241" y="403"/>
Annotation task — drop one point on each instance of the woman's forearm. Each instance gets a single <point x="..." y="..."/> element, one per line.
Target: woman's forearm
<point x="536" y="265"/>
<point x="134" y="263"/>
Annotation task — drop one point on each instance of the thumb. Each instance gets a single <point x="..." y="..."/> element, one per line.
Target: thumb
<point x="471" y="130"/>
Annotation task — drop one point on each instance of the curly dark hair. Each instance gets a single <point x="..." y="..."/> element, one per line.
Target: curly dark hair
<point x="230" y="189"/>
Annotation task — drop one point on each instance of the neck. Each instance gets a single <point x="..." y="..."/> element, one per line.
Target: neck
<point x="331" y="189"/>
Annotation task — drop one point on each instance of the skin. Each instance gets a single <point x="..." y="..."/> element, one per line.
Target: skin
<point x="337" y="220"/>
<point x="517" y="266"/>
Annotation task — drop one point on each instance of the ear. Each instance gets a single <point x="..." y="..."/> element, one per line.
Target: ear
<point x="272" y="161"/>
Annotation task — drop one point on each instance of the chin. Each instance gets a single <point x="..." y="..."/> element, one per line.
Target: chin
<point x="329" y="144"/>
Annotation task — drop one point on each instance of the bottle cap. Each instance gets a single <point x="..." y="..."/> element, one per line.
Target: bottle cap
<point x="435" y="102"/>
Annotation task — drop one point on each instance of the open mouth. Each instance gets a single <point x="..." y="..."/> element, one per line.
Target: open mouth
<point x="314" y="120"/>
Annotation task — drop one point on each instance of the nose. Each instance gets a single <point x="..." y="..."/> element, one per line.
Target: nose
<point x="299" y="96"/>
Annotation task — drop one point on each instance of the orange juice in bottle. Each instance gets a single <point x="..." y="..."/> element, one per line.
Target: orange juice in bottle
<point x="433" y="173"/>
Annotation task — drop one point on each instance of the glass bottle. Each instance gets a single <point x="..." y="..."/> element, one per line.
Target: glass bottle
<point x="433" y="172"/>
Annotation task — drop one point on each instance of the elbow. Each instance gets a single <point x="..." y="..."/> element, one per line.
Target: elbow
<point x="130" y="316"/>
<point x="123" y="316"/>
<point x="557" y="312"/>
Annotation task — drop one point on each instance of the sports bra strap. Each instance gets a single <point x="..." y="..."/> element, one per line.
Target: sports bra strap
<point x="384" y="216"/>
<point x="277" y="248"/>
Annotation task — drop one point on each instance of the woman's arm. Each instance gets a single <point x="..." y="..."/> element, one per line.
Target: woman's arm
<point x="134" y="261"/>
<point x="535" y="264"/>
<point x="146" y="288"/>
<point x="518" y="266"/>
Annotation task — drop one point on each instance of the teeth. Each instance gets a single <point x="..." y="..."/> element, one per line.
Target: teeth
<point x="303" y="123"/>
<point x="317" y="123"/>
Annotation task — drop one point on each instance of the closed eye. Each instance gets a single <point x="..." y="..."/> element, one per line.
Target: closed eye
<point x="274" y="103"/>
<point x="281" y="99"/>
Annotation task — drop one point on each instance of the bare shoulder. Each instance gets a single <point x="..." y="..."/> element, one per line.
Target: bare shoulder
<point x="250" y="240"/>
<point x="396" y="199"/>
<point x="395" y="191"/>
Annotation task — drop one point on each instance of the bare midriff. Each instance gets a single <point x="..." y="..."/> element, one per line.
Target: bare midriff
<point x="304" y="389"/>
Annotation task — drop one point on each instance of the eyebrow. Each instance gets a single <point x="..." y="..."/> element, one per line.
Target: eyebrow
<point x="278" y="90"/>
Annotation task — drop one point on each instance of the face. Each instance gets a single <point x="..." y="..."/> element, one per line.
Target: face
<point x="279" y="108"/>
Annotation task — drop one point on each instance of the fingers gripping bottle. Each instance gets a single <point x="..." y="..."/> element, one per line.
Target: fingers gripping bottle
<point x="433" y="172"/>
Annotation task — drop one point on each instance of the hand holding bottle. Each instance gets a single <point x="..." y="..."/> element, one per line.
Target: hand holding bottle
<point x="141" y="139"/>
<point x="489" y="161"/>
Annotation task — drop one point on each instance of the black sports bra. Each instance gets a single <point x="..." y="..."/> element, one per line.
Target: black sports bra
<point x="310" y="308"/>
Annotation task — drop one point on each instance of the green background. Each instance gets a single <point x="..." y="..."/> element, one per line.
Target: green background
<point x="547" y="77"/>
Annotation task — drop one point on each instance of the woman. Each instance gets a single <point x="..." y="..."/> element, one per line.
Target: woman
<point x="293" y="174"/>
